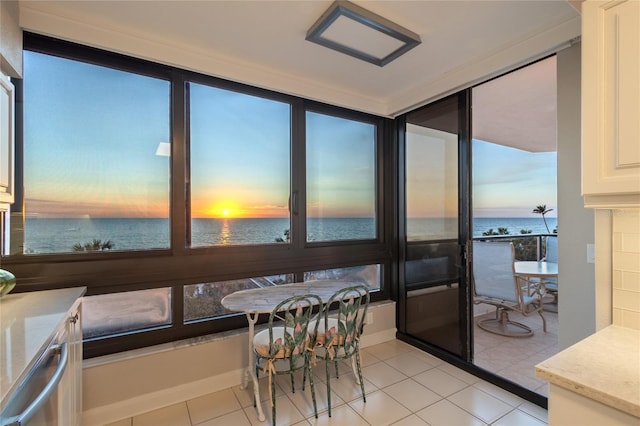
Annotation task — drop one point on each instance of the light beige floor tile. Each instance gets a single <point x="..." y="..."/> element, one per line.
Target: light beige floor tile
<point x="409" y="364"/>
<point x="459" y="373"/>
<point x="304" y="402"/>
<point x="445" y="413"/>
<point x="388" y="349"/>
<point x="245" y="396"/>
<point x="480" y="404"/>
<point x="235" y="418"/>
<point x="286" y="413"/>
<point x="367" y="358"/>
<point x="440" y="382"/>
<point x="412" y="394"/>
<point x="348" y="390"/>
<point x="380" y="409"/>
<point x="212" y="405"/>
<point x="382" y="374"/>
<point x="411" y="420"/>
<point x="522" y="377"/>
<point x="543" y="390"/>
<point x="123" y="422"/>
<point x="519" y="418"/>
<point x="499" y="393"/>
<point x="340" y="416"/>
<point x="426" y="357"/>
<point x="535" y="410"/>
<point x="173" y="415"/>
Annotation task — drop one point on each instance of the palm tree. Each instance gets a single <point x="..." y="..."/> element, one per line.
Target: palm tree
<point x="542" y="209"/>
<point x="501" y="231"/>
<point x="95" y="245"/>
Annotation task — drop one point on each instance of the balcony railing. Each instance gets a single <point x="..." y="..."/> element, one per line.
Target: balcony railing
<point x="527" y="246"/>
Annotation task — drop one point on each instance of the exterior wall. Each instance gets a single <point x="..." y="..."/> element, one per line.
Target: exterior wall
<point x="126" y="384"/>
<point x="576" y="277"/>
<point x="626" y="268"/>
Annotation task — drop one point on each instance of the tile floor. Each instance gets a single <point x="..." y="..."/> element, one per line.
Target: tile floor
<point x="514" y="358"/>
<point x="404" y="386"/>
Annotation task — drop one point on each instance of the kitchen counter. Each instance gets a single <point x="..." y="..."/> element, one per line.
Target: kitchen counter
<point x="604" y="367"/>
<point x="27" y="325"/>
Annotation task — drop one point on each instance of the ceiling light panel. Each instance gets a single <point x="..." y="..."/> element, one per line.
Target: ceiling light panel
<point x="355" y="31"/>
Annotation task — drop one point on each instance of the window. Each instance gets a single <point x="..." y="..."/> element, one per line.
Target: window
<point x="109" y="314"/>
<point x="365" y="274"/>
<point x="95" y="175"/>
<point x="240" y="167"/>
<point x="203" y="300"/>
<point x="341" y="179"/>
<point x="432" y="184"/>
<point x="163" y="190"/>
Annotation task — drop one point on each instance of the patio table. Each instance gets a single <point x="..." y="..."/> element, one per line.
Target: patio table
<point x="262" y="300"/>
<point x="526" y="270"/>
<point x="536" y="269"/>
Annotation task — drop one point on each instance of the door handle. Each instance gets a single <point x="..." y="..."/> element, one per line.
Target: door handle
<point x="46" y="392"/>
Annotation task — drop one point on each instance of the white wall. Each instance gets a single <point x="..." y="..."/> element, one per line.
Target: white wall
<point x="626" y="268"/>
<point x="130" y="383"/>
<point x="576" y="277"/>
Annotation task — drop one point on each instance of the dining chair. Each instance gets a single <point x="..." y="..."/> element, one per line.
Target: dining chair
<point x="339" y="330"/>
<point x="284" y="346"/>
<point x="494" y="283"/>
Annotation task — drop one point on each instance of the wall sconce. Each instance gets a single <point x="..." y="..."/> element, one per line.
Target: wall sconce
<point x="355" y="31"/>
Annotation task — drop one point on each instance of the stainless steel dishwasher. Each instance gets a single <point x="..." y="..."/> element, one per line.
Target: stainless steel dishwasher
<point x="36" y="400"/>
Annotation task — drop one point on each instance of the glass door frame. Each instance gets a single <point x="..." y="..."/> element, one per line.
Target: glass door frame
<point x="465" y="217"/>
<point x="464" y="234"/>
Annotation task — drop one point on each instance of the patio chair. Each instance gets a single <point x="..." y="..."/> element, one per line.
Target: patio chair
<point x="494" y="283"/>
<point x="283" y="348"/>
<point x="339" y="331"/>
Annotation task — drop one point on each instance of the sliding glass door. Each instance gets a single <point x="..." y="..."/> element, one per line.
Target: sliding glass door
<point x="434" y="301"/>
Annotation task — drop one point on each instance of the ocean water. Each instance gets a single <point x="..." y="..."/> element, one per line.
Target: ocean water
<point x="60" y="235"/>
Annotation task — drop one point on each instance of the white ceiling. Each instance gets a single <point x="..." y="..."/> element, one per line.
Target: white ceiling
<point x="263" y="42"/>
<point x="519" y="109"/>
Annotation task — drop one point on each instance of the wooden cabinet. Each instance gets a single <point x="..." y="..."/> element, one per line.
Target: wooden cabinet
<point x="611" y="103"/>
<point x="6" y="140"/>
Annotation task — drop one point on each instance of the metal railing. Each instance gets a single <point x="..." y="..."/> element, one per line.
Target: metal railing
<point x="527" y="246"/>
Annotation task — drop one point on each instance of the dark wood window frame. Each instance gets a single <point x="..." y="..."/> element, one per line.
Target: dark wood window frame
<point x="113" y="272"/>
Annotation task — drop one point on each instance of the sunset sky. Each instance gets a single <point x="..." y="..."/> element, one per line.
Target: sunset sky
<point x="240" y="163"/>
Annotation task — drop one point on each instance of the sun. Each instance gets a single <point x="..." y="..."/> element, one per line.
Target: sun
<point x="224" y="209"/>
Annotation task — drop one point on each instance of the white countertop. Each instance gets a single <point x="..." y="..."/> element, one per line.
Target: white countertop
<point x="27" y="324"/>
<point x="604" y="367"/>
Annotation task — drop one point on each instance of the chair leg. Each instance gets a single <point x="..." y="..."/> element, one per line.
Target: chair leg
<point x="257" y="377"/>
<point x="544" y="321"/>
<point x="336" y="365"/>
<point x="326" y="365"/>
<point x="359" y="375"/>
<point x="273" y="400"/>
<point x="293" y="385"/>
<point x="307" y="370"/>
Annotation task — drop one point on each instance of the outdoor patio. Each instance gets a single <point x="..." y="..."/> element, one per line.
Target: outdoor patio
<point x="514" y="358"/>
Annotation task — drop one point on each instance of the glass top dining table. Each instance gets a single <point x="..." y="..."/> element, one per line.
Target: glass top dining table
<point x="261" y="300"/>
<point x="536" y="269"/>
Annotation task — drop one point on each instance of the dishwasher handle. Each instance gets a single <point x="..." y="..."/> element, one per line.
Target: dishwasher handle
<point x="46" y="392"/>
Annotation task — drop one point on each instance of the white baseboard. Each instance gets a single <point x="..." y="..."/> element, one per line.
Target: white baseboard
<point x="152" y="401"/>
<point x="165" y="397"/>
